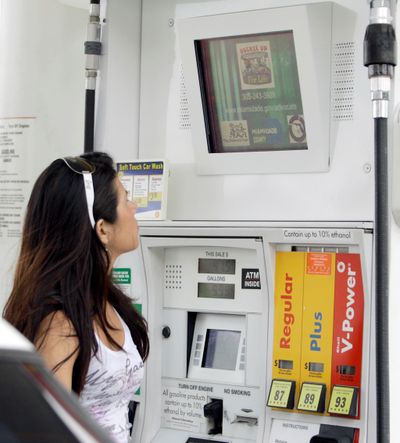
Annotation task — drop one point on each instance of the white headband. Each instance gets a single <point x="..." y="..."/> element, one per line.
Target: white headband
<point x="87" y="183"/>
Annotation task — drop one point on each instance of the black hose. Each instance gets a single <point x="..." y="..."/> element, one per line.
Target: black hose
<point x="382" y="280"/>
<point x="89" y="120"/>
<point x="380" y="58"/>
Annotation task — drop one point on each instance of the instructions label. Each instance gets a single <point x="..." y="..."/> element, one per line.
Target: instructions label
<point x="292" y="431"/>
<point x="15" y="139"/>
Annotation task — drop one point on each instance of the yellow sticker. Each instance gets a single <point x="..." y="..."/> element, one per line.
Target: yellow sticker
<point x="310" y="396"/>
<point x="341" y="400"/>
<point x="279" y="394"/>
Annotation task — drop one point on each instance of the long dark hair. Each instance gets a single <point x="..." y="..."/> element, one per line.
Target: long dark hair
<point x="63" y="266"/>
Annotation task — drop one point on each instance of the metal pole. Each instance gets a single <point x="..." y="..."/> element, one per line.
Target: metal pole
<point x="93" y="53"/>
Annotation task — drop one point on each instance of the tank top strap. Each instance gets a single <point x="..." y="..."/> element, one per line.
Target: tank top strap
<point x="124" y="325"/>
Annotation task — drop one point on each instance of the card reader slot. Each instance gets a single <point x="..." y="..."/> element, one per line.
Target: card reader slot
<point x="190" y="332"/>
<point x="252" y="421"/>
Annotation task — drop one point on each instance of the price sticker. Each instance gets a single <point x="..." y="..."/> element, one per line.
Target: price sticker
<point x="312" y="397"/>
<point x="343" y="400"/>
<point x="281" y="394"/>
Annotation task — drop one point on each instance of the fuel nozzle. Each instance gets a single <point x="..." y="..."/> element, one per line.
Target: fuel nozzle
<point x="380" y="55"/>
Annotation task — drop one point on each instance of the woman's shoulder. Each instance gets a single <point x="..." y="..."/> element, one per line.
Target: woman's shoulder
<point x="56" y="324"/>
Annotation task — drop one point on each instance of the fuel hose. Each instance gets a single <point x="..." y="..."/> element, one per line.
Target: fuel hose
<point x="380" y="58"/>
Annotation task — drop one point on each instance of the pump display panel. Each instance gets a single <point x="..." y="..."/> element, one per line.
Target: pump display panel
<point x="251" y="93"/>
<point x="212" y="279"/>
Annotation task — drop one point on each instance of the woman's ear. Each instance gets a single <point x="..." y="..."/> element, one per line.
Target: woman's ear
<point x="103" y="231"/>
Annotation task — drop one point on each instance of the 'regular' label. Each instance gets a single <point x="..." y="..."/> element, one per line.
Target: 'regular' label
<point x="288" y="307"/>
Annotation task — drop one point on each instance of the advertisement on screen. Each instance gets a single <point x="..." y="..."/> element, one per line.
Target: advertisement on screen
<point x="252" y="93"/>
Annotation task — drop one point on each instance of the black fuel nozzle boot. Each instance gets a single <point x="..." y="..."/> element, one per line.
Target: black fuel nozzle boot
<point x="334" y="434"/>
<point x="322" y="439"/>
<point x="213" y="411"/>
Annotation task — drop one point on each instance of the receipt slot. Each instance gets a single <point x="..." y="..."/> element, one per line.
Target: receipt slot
<point x="259" y="335"/>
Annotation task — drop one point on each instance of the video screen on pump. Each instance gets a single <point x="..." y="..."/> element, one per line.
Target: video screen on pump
<point x="251" y="93"/>
<point x="221" y="349"/>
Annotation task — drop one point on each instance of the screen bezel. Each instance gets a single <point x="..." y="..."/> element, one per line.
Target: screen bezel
<point x="311" y="26"/>
<point x="227" y="322"/>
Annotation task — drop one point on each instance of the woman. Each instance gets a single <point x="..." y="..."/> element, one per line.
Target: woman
<point x="63" y="298"/>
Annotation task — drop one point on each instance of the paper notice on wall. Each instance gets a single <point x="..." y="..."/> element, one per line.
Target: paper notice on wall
<point x="16" y="137"/>
<point x="146" y="182"/>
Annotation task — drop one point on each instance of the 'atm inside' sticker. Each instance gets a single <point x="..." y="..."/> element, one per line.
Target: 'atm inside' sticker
<point x="251" y="279"/>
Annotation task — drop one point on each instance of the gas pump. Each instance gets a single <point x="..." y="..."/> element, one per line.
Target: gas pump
<point x="210" y="307"/>
<point x="258" y="288"/>
<point x="253" y="328"/>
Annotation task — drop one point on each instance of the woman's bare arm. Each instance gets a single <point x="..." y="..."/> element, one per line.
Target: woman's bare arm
<point x="56" y="340"/>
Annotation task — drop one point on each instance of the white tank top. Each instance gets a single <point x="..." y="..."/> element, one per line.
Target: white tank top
<point x="112" y="379"/>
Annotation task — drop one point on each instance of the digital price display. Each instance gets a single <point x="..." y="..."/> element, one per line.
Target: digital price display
<point x="312" y="397"/>
<point x="315" y="367"/>
<point x="284" y="364"/>
<point x="347" y="370"/>
<point x="281" y="394"/>
<point x="217" y="266"/>
<point x="343" y="401"/>
<point x="216" y="290"/>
